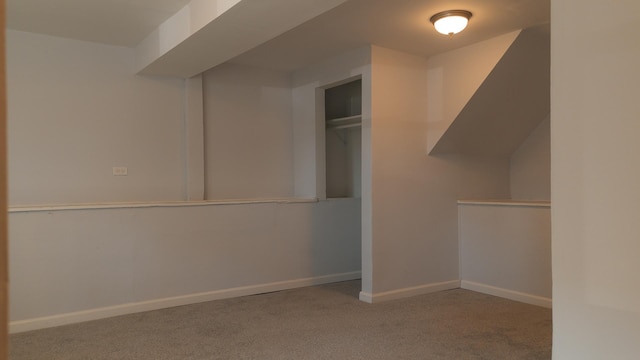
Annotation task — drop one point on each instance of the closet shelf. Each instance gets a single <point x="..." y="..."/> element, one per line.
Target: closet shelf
<point x="344" y="122"/>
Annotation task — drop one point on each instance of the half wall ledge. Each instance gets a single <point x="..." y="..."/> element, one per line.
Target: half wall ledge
<point x="508" y="202"/>
<point x="159" y="204"/>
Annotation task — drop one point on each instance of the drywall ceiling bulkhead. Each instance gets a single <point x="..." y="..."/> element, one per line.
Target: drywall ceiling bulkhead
<point x="509" y="104"/>
<point x="183" y="46"/>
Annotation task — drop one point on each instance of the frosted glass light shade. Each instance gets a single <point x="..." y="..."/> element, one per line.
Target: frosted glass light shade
<point x="451" y="22"/>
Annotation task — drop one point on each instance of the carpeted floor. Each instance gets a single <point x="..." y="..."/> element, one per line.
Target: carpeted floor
<point x="321" y="322"/>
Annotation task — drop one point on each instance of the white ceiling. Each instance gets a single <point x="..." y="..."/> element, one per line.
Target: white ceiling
<point x="115" y="22"/>
<point x="397" y="24"/>
<point x="401" y="25"/>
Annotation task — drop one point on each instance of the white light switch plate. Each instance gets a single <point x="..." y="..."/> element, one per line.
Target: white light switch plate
<point x="120" y="171"/>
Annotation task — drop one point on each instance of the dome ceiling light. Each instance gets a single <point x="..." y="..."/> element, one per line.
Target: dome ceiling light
<point x="451" y="22"/>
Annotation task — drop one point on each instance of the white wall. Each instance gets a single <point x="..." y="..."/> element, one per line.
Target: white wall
<point x="248" y="133"/>
<point x="107" y="262"/>
<point x="595" y="175"/>
<point x="75" y="110"/>
<point x="505" y="250"/>
<point x="531" y="166"/>
<point x="414" y="196"/>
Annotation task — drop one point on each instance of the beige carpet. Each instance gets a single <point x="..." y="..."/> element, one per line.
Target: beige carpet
<point x="322" y="322"/>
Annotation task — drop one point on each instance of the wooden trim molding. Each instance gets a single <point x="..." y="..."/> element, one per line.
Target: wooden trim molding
<point x="4" y="268"/>
<point x="151" y="204"/>
<point x="507" y="294"/>
<point x="511" y="203"/>
<point x="408" y="292"/>
<point x="135" y="307"/>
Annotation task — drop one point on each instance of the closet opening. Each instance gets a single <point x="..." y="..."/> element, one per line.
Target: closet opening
<point x="343" y="140"/>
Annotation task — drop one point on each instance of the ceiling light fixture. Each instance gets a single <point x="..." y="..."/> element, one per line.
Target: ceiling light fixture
<point x="451" y="22"/>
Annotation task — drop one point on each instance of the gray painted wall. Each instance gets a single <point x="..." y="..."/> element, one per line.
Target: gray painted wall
<point x="507" y="247"/>
<point x="75" y="110"/>
<point x="92" y="114"/>
<point x="248" y="133"/>
<point x="531" y="166"/>
<point x="64" y="262"/>
<point x="414" y="196"/>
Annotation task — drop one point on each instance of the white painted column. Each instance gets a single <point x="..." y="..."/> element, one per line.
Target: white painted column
<point x="595" y="112"/>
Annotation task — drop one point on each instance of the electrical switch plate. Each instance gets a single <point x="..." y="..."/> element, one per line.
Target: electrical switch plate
<point x="119" y="171"/>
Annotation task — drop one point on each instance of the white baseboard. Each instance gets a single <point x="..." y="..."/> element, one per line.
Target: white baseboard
<point x="408" y="292"/>
<point x="130" y="308"/>
<point x="508" y="294"/>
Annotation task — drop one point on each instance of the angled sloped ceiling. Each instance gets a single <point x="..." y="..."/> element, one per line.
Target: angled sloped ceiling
<point x="453" y="78"/>
<point x="510" y="103"/>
